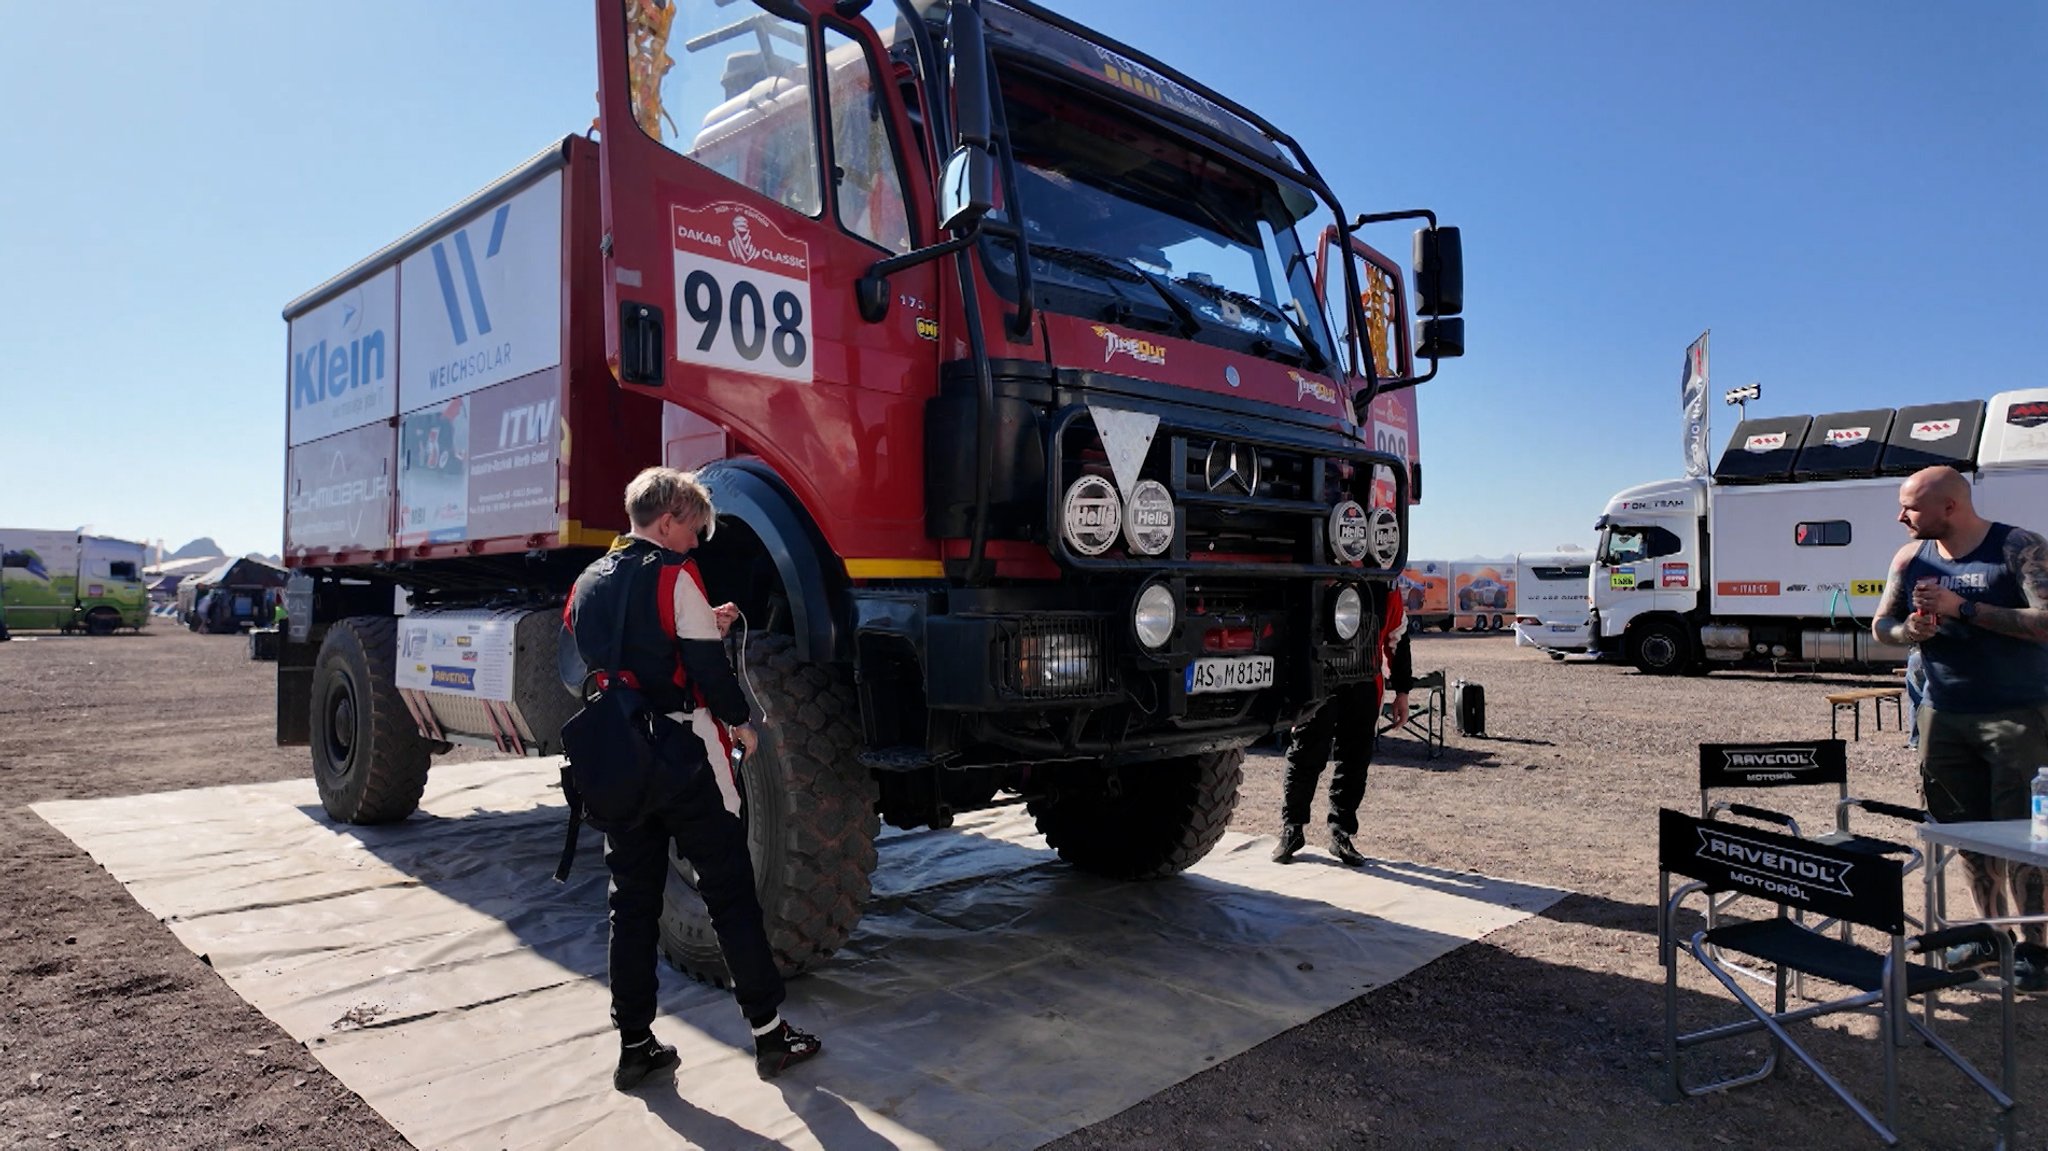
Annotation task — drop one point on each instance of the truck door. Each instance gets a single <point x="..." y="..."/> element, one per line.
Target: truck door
<point x="1390" y="424"/>
<point x="757" y="158"/>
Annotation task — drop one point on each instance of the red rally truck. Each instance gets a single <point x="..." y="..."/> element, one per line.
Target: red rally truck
<point x="1031" y="419"/>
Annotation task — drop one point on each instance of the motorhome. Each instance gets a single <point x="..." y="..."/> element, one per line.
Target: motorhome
<point x="1552" y="609"/>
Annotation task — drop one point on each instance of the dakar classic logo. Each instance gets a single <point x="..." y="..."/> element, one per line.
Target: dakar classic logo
<point x="746" y="251"/>
<point x="1303" y="386"/>
<point x="1143" y="351"/>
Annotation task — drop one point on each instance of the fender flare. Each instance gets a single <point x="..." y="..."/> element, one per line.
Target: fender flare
<point x="809" y="572"/>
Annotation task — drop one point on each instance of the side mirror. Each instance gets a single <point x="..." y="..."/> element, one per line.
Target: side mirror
<point x="1441" y="338"/>
<point x="1439" y="274"/>
<point x="1415" y="482"/>
<point x="966" y="187"/>
<point x="973" y="110"/>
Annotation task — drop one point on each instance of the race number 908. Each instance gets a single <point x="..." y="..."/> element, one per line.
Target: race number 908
<point x="742" y="319"/>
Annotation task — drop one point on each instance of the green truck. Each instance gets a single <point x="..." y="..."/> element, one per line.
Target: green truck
<point x="67" y="581"/>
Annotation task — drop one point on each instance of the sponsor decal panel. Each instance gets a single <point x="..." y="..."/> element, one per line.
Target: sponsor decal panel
<point x="1306" y="387"/>
<point x="743" y="293"/>
<point x="1935" y="429"/>
<point x="1676" y="575"/>
<point x="338" y="492"/>
<point x="344" y="361"/>
<point x="1746" y="587"/>
<point x="1847" y="437"/>
<point x="1622" y="579"/>
<point x="2027" y="415"/>
<point x="1866" y="587"/>
<point x="482" y="304"/>
<point x="1115" y="343"/>
<point x="1767" y="442"/>
<point x="461" y="652"/>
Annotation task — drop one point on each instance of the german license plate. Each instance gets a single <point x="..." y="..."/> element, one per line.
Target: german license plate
<point x="1246" y="673"/>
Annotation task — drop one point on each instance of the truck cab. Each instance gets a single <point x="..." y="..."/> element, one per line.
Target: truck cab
<point x="1646" y="574"/>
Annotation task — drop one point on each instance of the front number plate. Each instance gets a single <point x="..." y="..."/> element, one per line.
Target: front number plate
<point x="1248" y="673"/>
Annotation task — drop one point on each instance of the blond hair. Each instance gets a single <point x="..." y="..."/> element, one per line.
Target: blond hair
<point x="656" y="491"/>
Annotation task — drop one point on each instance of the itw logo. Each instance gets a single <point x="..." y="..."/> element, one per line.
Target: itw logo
<point x="474" y="285"/>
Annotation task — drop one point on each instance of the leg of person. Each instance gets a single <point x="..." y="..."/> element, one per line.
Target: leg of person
<point x="1308" y="748"/>
<point x="2015" y="744"/>
<point x="1956" y="784"/>
<point x="638" y="861"/>
<point x="1357" y="732"/>
<point x="714" y="840"/>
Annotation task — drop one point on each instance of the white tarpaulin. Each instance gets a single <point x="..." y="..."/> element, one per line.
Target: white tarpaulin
<point x="991" y="998"/>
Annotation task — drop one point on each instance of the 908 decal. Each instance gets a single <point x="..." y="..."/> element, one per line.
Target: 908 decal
<point x="743" y="293"/>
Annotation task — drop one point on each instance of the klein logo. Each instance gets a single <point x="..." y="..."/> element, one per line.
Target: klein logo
<point x="471" y="281"/>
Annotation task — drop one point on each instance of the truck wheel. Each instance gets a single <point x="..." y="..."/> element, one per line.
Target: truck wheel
<point x="1166" y="818"/>
<point x="368" y="758"/>
<point x="1498" y="623"/>
<point x="102" y="621"/>
<point x="1446" y="624"/>
<point x="1660" y="648"/>
<point x="811" y="822"/>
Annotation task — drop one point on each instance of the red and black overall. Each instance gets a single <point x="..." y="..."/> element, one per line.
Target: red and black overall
<point x="671" y="652"/>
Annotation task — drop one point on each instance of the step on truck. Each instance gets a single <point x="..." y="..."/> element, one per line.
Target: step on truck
<point x="1780" y="556"/>
<point x="58" y="580"/>
<point x="1026" y="374"/>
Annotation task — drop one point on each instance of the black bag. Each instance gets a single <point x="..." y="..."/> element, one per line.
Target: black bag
<point x="1468" y="707"/>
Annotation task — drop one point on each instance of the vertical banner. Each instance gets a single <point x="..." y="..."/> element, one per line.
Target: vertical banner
<point x="1692" y="396"/>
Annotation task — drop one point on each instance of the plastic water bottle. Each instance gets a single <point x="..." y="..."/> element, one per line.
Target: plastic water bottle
<point x="2040" y="828"/>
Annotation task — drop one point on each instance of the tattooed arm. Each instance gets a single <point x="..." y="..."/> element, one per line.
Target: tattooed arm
<point x="1897" y="623"/>
<point x="2026" y="554"/>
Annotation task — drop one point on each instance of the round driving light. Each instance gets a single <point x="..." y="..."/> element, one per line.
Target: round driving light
<point x="1350" y="532"/>
<point x="1347" y="613"/>
<point x="1152" y="617"/>
<point x="1385" y="536"/>
<point x="1148" y="518"/>
<point x="1091" y="515"/>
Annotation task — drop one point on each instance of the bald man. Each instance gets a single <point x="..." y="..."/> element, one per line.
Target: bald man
<point x="1973" y="595"/>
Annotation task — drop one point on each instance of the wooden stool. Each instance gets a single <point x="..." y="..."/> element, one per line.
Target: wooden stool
<point x="1852" y="702"/>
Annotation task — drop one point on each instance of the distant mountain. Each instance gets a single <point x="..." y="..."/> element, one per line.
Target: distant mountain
<point x="203" y="546"/>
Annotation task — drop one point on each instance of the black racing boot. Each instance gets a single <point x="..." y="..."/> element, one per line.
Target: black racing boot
<point x="783" y="1048"/>
<point x="639" y="1060"/>
<point x="1342" y="847"/>
<point x="1291" y="841"/>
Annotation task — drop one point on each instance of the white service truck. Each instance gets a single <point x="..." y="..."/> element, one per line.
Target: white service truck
<point x="1552" y="611"/>
<point x="1782" y="555"/>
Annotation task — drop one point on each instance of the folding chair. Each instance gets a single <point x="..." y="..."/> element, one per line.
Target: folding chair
<point x="1424" y="721"/>
<point x="1836" y="883"/>
<point x="1797" y="763"/>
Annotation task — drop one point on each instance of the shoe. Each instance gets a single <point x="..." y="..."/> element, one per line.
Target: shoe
<point x="639" y="1060"/>
<point x="2030" y="967"/>
<point x="1342" y="847"/>
<point x="1291" y="841"/>
<point x="1965" y="956"/>
<point x="782" y="1049"/>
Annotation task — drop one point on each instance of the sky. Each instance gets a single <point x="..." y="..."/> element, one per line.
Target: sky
<point x="1847" y="194"/>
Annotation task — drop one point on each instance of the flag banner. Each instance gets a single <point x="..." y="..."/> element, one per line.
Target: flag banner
<point x="1692" y="395"/>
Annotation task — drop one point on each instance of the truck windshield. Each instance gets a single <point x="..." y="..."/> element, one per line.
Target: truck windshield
<point x="1168" y="218"/>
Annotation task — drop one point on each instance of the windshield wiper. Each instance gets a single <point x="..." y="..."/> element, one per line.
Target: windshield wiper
<point x="1311" y="355"/>
<point x="1129" y="270"/>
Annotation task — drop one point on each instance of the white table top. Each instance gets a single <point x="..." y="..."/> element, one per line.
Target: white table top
<point x="2005" y="838"/>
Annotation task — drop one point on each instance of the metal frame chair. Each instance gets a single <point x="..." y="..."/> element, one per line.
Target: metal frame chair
<point x="1838" y="884"/>
<point x="1426" y="720"/>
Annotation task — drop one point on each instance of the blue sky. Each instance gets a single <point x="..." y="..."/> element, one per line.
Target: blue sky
<point x="1847" y="194"/>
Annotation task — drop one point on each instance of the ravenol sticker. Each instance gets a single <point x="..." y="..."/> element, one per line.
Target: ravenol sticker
<point x="1769" y="442"/>
<point x="454" y="678"/>
<point x="1847" y="437"/>
<point x="1935" y="429"/>
<point x="1866" y="587"/>
<point x="1622" y="579"/>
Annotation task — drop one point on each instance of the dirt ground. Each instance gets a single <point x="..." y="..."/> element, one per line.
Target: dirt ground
<point x="1548" y="1034"/>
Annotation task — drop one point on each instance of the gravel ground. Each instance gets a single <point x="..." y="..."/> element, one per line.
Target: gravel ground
<point x="1545" y="1035"/>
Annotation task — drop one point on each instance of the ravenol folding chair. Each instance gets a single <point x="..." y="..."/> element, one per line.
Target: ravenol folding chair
<point x="1425" y="720"/>
<point x="1797" y="763"/>
<point x="1833" y="882"/>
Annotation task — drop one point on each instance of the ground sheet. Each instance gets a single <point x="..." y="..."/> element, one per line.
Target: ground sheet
<point x="991" y="998"/>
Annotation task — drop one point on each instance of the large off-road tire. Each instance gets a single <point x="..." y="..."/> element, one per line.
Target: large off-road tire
<point x="102" y="621"/>
<point x="1164" y="819"/>
<point x="811" y="821"/>
<point x="1659" y="647"/>
<point x="369" y="760"/>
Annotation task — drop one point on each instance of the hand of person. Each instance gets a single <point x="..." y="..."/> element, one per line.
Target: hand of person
<point x="1400" y="707"/>
<point x="1920" y="625"/>
<point x="747" y="738"/>
<point x="725" y="614"/>
<point x="1938" y="601"/>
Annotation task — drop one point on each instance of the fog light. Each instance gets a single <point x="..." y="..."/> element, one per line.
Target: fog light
<point x="1148" y="518"/>
<point x="1057" y="662"/>
<point x="1347" y="613"/>
<point x="1091" y="514"/>
<point x="1152" y="617"/>
<point x="1350" y="532"/>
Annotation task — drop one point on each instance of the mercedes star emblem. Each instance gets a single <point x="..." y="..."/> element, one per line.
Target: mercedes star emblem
<point x="1232" y="467"/>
